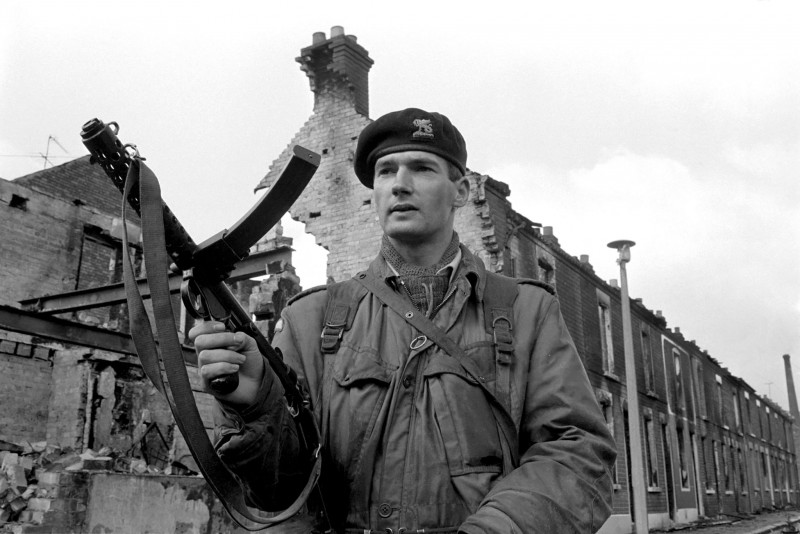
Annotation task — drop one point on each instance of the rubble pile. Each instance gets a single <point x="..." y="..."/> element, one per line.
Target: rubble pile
<point x="30" y="472"/>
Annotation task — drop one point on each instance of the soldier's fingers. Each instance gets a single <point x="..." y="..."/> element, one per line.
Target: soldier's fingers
<point x="211" y="371"/>
<point x="218" y="340"/>
<point x="205" y="327"/>
<point x="217" y="355"/>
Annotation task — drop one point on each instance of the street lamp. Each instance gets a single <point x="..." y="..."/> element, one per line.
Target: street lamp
<point x="623" y="246"/>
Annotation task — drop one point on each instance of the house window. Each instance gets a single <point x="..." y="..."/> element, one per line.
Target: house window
<point x="719" y="401"/>
<point x="650" y="457"/>
<point x="769" y="427"/>
<point x="682" y="460"/>
<point x="606" y="338"/>
<point x="606" y="402"/>
<point x="647" y="358"/>
<point x="736" y="414"/>
<point x="726" y="475"/>
<point x="742" y="472"/>
<point x="758" y="416"/>
<point x="707" y="478"/>
<point x="21" y="203"/>
<point x="699" y="387"/>
<point x="753" y="469"/>
<point x="546" y="262"/>
<point x="680" y="400"/>
<point x="715" y="446"/>
<point x="746" y="415"/>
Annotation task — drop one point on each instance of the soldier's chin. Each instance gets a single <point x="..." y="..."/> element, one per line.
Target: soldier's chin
<point x="403" y="232"/>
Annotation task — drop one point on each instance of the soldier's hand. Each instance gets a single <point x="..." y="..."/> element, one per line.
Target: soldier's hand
<point x="220" y="353"/>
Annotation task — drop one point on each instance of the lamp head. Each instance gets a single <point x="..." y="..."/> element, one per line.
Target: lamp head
<point x="623" y="246"/>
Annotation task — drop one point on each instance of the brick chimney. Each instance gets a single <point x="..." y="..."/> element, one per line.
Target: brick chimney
<point x="335" y="208"/>
<point x="337" y="66"/>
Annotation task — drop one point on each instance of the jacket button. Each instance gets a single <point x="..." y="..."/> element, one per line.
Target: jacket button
<point x="384" y="510"/>
<point x="407" y="381"/>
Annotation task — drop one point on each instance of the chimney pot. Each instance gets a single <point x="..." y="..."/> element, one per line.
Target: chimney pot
<point x="659" y="313"/>
<point x="584" y="258"/>
<point x="613" y="282"/>
<point x="547" y="230"/>
<point x="337" y="69"/>
<point x="352" y="38"/>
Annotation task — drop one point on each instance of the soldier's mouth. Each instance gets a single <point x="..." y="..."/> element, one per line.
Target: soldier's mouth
<point x="402" y="207"/>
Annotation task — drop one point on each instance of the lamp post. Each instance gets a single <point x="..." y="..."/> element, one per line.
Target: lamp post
<point x="639" y="506"/>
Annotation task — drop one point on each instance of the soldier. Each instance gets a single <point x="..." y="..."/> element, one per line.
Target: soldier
<point x="450" y="399"/>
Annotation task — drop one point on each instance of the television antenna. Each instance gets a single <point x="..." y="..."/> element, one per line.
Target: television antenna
<point x="46" y="155"/>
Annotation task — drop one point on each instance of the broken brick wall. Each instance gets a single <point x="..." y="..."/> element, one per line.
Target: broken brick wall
<point x="53" y="243"/>
<point x="27" y="377"/>
<point x="102" y="399"/>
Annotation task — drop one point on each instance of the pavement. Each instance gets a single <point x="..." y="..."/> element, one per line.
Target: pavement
<point x="764" y="523"/>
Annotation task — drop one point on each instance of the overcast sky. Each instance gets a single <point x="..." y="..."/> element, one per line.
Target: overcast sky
<point x="674" y="124"/>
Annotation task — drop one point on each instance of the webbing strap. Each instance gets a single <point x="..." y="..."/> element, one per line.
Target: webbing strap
<point x="498" y="312"/>
<point x="343" y="300"/>
<point x="438" y="336"/>
<point x="333" y="329"/>
<point x="178" y="391"/>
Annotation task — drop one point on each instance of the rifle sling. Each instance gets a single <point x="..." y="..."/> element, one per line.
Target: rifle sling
<point x="178" y="390"/>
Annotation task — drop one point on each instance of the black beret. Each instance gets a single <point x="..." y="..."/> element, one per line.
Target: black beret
<point x="409" y="129"/>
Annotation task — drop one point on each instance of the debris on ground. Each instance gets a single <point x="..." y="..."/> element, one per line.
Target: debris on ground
<point x="22" y="465"/>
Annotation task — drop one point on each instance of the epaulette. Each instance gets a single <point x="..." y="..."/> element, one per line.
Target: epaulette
<point x="306" y="292"/>
<point x="544" y="285"/>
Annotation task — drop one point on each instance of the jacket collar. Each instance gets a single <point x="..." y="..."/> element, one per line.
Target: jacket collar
<point x="470" y="268"/>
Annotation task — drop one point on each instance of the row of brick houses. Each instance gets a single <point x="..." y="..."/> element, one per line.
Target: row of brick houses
<point x="711" y="444"/>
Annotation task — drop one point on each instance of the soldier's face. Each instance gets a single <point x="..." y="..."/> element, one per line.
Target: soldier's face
<point x="415" y="198"/>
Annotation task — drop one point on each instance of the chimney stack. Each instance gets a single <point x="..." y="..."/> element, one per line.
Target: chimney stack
<point x="337" y="69"/>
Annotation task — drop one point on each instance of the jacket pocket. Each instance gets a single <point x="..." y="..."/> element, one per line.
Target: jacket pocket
<point x="357" y="387"/>
<point x="463" y="412"/>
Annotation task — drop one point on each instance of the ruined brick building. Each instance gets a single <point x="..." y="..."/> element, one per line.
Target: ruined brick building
<point x="711" y="444"/>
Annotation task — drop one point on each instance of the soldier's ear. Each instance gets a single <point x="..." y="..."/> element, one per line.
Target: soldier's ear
<point x="462" y="192"/>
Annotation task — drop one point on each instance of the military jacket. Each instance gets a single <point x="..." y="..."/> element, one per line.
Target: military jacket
<point x="411" y="440"/>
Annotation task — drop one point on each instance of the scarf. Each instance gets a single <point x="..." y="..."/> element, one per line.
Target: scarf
<point x="424" y="286"/>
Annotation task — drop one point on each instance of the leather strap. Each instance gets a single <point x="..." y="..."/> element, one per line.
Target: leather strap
<point x="178" y="390"/>
<point x="417" y="319"/>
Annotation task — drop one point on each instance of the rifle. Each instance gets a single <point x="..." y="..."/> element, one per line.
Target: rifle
<point x="206" y="296"/>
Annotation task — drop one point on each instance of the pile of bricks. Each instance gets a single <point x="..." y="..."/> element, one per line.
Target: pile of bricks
<point x="36" y="482"/>
<point x="16" y="489"/>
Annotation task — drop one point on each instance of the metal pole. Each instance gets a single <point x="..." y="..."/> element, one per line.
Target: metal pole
<point x="634" y="421"/>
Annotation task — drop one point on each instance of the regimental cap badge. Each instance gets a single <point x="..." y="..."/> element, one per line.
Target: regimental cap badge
<point x="424" y="129"/>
